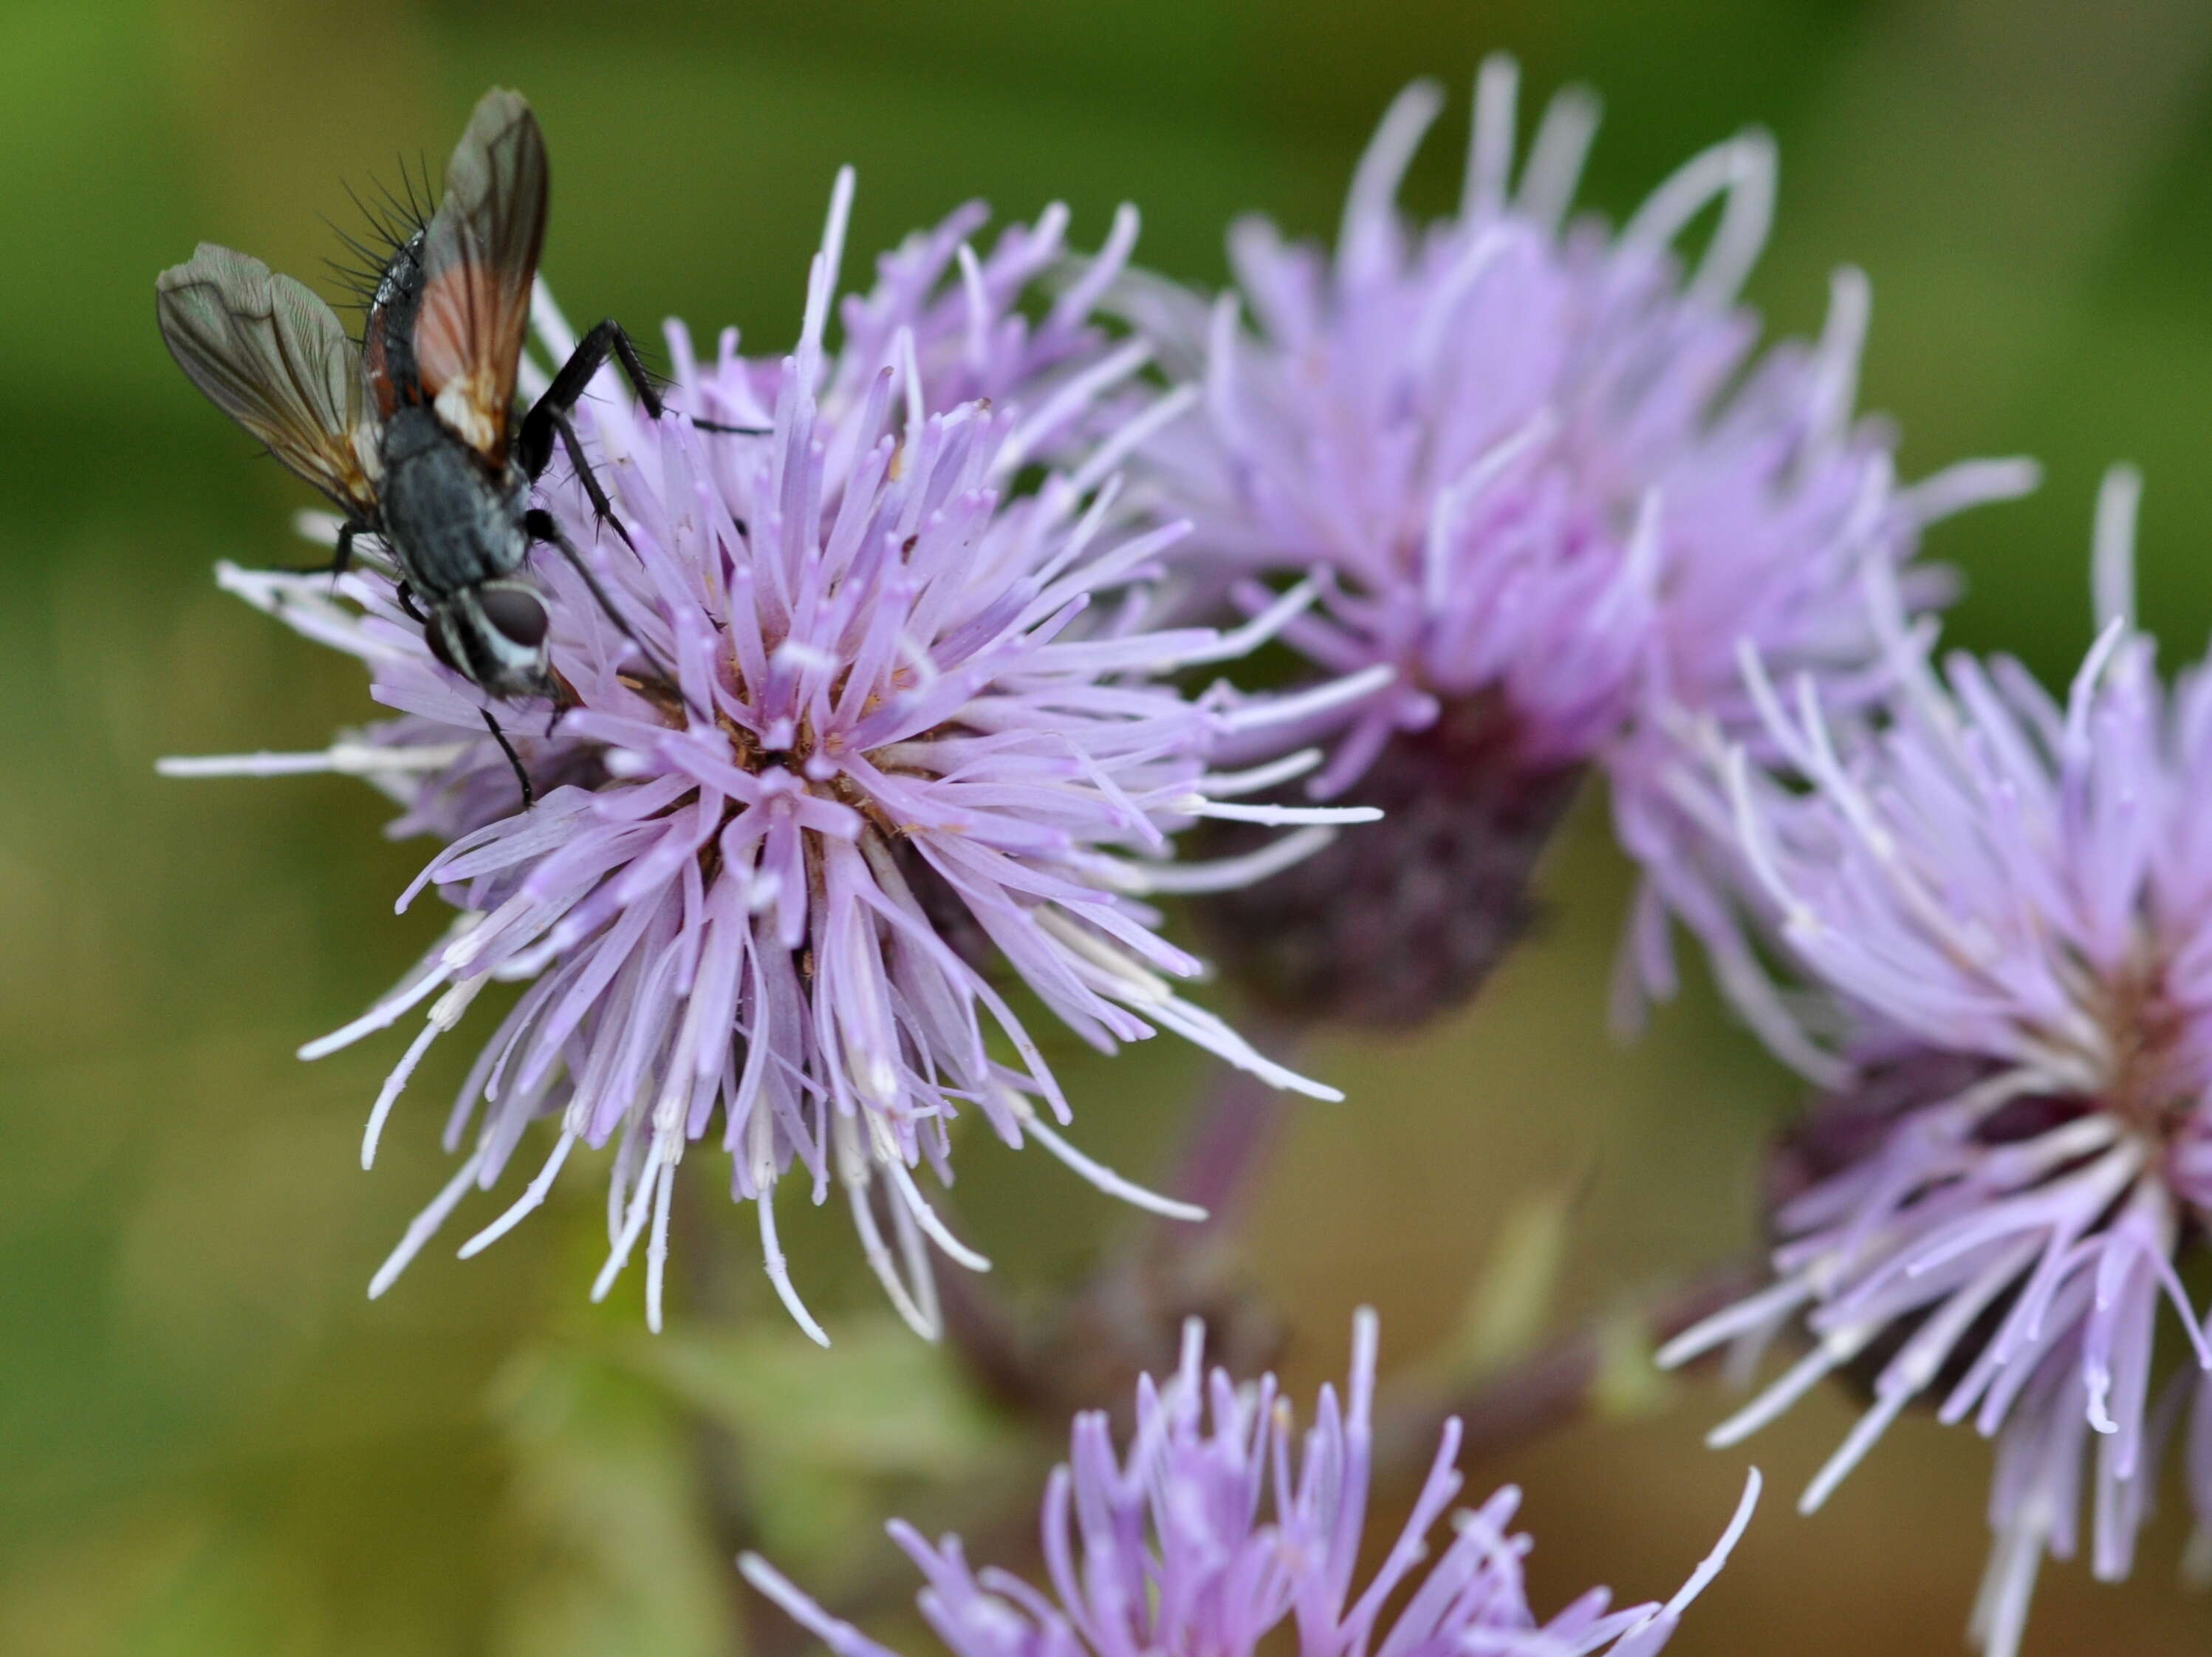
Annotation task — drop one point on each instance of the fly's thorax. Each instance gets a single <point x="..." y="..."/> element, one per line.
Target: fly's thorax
<point x="451" y="520"/>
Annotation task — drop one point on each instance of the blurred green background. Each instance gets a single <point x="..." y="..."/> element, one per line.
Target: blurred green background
<point x="211" y="1443"/>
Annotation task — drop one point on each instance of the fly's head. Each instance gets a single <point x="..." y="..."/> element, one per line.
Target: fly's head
<point x="493" y="635"/>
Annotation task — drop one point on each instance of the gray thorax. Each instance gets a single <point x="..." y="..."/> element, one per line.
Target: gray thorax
<point x="450" y="519"/>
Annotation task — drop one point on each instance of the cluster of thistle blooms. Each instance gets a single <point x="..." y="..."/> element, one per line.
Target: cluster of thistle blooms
<point x="1212" y="1535"/>
<point x="1538" y="473"/>
<point x="1527" y="497"/>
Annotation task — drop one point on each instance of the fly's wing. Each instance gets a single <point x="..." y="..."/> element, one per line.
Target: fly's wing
<point x="276" y="359"/>
<point x="479" y="255"/>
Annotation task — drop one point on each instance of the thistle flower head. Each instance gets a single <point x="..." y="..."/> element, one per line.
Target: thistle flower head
<point x="1542" y="471"/>
<point x="853" y="724"/>
<point x="2006" y="900"/>
<point x="1221" y="1525"/>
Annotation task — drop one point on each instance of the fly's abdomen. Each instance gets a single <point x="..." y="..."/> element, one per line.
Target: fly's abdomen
<point x="387" y="337"/>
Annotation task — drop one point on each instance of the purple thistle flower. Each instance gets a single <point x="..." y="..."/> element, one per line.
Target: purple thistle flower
<point x="868" y="727"/>
<point x="1215" y="1530"/>
<point x="1541" y="473"/>
<point x="2007" y="903"/>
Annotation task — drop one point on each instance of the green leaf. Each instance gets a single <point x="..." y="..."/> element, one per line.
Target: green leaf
<point x="613" y="1555"/>
<point x="828" y="1440"/>
<point x="1510" y="1308"/>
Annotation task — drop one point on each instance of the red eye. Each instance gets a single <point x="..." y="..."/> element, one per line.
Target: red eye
<point x="517" y="616"/>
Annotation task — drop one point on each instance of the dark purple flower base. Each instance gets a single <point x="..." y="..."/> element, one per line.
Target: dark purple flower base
<point x="1403" y="921"/>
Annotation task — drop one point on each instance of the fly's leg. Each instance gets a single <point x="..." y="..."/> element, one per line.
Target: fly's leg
<point x="413" y="611"/>
<point x="514" y="759"/>
<point x="543" y="527"/>
<point x="547" y="420"/>
<point x="601" y="508"/>
<point x="341" y="556"/>
<point x="534" y="444"/>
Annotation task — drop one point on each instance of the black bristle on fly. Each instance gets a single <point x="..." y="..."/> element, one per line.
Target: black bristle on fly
<point x="393" y="217"/>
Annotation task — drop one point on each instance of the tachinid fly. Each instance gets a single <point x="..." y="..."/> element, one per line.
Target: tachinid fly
<point x="412" y="434"/>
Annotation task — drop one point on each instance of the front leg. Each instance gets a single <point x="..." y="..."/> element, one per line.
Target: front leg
<point x="602" y="509"/>
<point x="542" y="527"/>
<point x="533" y="446"/>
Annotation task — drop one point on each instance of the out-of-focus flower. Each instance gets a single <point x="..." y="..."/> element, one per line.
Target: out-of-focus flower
<point x="1541" y="471"/>
<point x="851" y="732"/>
<point x="2008" y="904"/>
<point x="1217" y="1528"/>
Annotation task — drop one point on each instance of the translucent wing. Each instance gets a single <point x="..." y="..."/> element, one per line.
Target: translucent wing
<point x="478" y="258"/>
<point x="276" y="359"/>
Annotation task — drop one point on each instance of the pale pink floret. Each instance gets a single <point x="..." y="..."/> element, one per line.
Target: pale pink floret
<point x="1219" y="1527"/>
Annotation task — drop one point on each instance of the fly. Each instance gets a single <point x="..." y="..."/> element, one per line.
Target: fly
<point x="411" y="433"/>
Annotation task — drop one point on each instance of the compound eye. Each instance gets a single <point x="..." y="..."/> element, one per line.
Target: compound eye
<point x="517" y="616"/>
